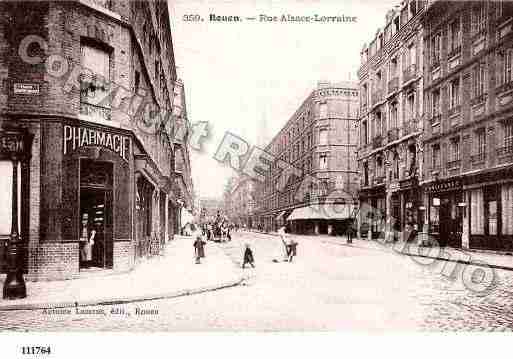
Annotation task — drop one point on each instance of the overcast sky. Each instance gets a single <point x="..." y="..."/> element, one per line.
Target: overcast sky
<point x="248" y="78"/>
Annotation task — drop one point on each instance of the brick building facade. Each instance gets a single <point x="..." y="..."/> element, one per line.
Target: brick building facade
<point x="319" y="141"/>
<point x="82" y="82"/>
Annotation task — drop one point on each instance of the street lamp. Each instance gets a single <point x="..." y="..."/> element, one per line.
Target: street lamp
<point x="14" y="144"/>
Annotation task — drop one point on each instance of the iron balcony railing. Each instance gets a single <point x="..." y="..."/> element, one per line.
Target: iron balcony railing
<point x="376" y="96"/>
<point x="410" y="72"/>
<point x="377" y="142"/>
<point x="453" y="163"/>
<point x="393" y="134"/>
<point x="480" y="157"/>
<point x="505" y="151"/>
<point x="393" y="85"/>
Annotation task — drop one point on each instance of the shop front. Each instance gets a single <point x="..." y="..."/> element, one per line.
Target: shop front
<point x="411" y="207"/>
<point x="96" y="197"/>
<point x="446" y="211"/>
<point x="490" y="196"/>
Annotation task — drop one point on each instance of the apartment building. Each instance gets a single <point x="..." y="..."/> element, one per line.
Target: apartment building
<point x="468" y="137"/>
<point x="319" y="141"/>
<point x="390" y="124"/>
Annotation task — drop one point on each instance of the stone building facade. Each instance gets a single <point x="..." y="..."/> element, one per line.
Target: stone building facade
<point x="468" y="137"/>
<point x="88" y="86"/>
<point x="390" y="124"/>
<point x="317" y="193"/>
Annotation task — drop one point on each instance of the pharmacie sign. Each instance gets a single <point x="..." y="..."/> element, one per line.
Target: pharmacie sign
<point x="76" y="137"/>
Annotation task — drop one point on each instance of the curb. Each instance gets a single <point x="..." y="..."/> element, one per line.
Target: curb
<point x="120" y="300"/>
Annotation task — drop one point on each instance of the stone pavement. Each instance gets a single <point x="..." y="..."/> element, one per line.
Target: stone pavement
<point x="465" y="256"/>
<point x="170" y="275"/>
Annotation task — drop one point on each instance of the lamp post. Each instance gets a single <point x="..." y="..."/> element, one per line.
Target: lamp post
<point x="14" y="143"/>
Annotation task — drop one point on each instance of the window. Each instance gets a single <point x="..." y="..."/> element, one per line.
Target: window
<point x="455" y="149"/>
<point x="436" y="102"/>
<point x="478" y="83"/>
<point x="508" y="135"/>
<point x="454" y="37"/>
<point x="393" y="115"/>
<point x="363" y="129"/>
<point x="454" y="93"/>
<point x="504" y="67"/>
<point x="323" y="161"/>
<point x="436" y="157"/>
<point x="323" y="136"/>
<point x="137" y="81"/>
<point x="410" y="106"/>
<point x="478" y="19"/>
<point x="481" y="141"/>
<point x="393" y="67"/>
<point x="436" y="48"/>
<point x="504" y="10"/>
<point x="94" y="83"/>
<point x="365" y="174"/>
<point x="476" y="211"/>
<point x="413" y="8"/>
<point x="323" y="110"/>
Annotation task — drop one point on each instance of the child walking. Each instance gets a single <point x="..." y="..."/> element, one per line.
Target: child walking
<point x="248" y="257"/>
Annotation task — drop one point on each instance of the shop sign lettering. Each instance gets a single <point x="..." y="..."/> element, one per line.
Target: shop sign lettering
<point x="76" y="137"/>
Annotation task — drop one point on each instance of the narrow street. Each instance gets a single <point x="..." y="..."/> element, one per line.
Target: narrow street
<point x="329" y="286"/>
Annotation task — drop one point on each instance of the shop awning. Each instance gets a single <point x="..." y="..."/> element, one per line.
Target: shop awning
<point x="186" y="217"/>
<point x="326" y="211"/>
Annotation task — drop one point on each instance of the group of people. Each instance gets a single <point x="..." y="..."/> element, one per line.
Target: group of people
<point x="287" y="249"/>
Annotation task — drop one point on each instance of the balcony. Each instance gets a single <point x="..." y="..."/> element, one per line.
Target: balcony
<point x="410" y="73"/>
<point x="393" y="85"/>
<point x="409" y="127"/>
<point x="393" y="134"/>
<point x="376" y="96"/>
<point x="454" y="110"/>
<point x="379" y="180"/>
<point x="505" y="151"/>
<point x="377" y="142"/>
<point x="454" y="52"/>
<point x="508" y="86"/>
<point x="478" y="158"/>
<point x="453" y="164"/>
<point x="435" y="64"/>
<point x="435" y="119"/>
<point x="478" y="100"/>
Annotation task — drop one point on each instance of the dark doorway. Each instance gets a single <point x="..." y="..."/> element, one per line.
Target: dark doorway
<point x="96" y="215"/>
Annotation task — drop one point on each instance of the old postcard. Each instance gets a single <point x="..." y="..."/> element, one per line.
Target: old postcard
<point x="241" y="166"/>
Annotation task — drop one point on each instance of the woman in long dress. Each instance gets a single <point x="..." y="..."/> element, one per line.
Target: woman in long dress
<point x="281" y="251"/>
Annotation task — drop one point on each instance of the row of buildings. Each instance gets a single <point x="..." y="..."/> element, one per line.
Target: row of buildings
<point x="436" y="124"/>
<point x="423" y="142"/>
<point x="90" y="109"/>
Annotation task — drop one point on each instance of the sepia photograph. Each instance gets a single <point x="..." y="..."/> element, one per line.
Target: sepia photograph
<point x="223" y="166"/>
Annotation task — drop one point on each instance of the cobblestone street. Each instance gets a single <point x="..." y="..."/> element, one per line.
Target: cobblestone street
<point x="329" y="286"/>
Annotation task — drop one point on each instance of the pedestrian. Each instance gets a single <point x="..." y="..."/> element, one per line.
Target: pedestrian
<point x="199" y="245"/>
<point x="282" y="254"/>
<point x="291" y="249"/>
<point x="248" y="257"/>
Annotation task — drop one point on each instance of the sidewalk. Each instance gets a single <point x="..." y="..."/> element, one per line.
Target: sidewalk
<point x="464" y="256"/>
<point x="171" y="275"/>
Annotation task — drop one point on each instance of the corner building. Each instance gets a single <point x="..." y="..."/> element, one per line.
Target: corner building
<point x="319" y="140"/>
<point x="82" y="163"/>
